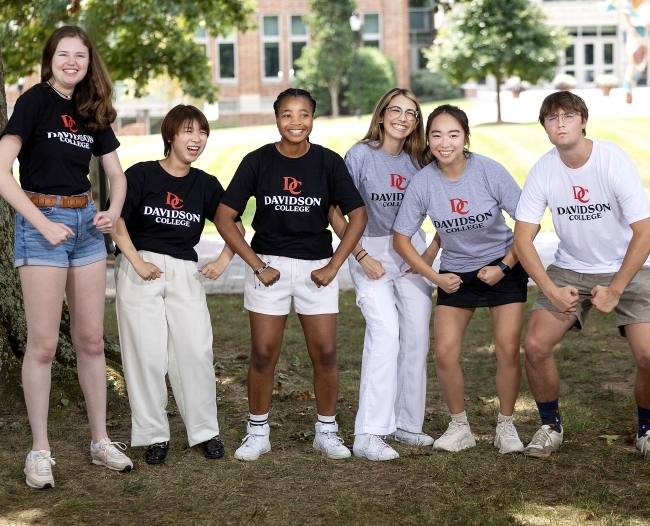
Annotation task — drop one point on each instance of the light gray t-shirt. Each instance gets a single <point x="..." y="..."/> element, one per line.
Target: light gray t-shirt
<point x="381" y="179"/>
<point x="466" y="213"/>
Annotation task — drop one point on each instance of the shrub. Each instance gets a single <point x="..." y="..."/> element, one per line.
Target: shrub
<point x="377" y="75"/>
<point x="428" y="86"/>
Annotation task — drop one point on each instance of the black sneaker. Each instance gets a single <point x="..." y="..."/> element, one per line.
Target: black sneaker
<point x="156" y="453"/>
<point x="214" y="447"/>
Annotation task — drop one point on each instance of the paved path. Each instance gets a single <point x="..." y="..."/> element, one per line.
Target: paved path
<point x="232" y="281"/>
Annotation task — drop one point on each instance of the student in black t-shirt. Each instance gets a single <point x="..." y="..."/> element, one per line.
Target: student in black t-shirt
<point x="163" y="318"/>
<point x="295" y="184"/>
<point x="59" y="246"/>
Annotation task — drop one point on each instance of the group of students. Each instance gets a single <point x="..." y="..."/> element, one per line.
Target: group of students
<point x="375" y="200"/>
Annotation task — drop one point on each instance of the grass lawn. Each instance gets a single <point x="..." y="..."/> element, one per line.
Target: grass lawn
<point x="589" y="481"/>
<point x="516" y="146"/>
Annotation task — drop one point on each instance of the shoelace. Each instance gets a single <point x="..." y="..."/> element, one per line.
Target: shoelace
<point x="508" y="431"/>
<point x="111" y="447"/>
<point x="250" y="440"/>
<point x="42" y="464"/>
<point x="333" y="438"/>
<point x="540" y="438"/>
<point x="376" y="441"/>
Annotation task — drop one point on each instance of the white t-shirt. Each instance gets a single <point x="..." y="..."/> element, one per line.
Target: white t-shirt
<point x="592" y="206"/>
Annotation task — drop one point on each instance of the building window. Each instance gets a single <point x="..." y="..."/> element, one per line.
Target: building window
<point x="608" y="53"/>
<point x="201" y="38"/>
<point x="298" y="41"/>
<point x="226" y="60"/>
<point x="271" y="47"/>
<point x="589" y="75"/>
<point x="608" y="31"/>
<point x="371" y="30"/>
<point x="589" y="54"/>
<point x="589" y="31"/>
<point x="570" y="55"/>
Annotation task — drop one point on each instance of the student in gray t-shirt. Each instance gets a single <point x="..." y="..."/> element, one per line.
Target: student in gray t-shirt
<point x="464" y="194"/>
<point x="395" y="302"/>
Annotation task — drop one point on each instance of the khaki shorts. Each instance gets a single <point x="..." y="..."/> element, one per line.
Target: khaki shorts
<point x="633" y="306"/>
<point x="294" y="283"/>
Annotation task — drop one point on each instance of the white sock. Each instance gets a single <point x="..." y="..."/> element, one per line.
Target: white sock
<point x="327" y="419"/>
<point x="460" y="418"/>
<point x="258" y="420"/>
<point x="503" y="418"/>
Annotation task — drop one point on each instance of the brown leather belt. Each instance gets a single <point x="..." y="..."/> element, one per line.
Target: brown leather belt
<point x="65" y="201"/>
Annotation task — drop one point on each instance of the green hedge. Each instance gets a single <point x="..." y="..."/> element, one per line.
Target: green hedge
<point x="432" y="86"/>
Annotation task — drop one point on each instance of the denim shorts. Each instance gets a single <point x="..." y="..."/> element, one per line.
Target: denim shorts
<point x="85" y="247"/>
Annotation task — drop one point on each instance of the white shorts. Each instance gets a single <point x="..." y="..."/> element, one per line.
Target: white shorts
<point x="295" y="282"/>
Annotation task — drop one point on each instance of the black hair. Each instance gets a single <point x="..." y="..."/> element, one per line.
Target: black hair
<point x="294" y="92"/>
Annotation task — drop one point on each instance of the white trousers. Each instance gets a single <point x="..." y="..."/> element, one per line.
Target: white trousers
<point x="165" y="328"/>
<point x="397" y="309"/>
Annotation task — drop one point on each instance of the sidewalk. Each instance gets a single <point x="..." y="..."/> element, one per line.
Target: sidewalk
<point x="232" y="280"/>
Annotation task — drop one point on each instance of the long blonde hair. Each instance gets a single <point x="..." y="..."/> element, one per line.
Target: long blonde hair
<point x="414" y="143"/>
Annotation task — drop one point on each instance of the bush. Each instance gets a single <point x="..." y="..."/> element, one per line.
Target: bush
<point x="427" y="86"/>
<point x="377" y="75"/>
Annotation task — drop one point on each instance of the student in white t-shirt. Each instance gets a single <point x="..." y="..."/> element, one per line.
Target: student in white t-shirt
<point x="464" y="194"/>
<point x="395" y="302"/>
<point x="602" y="217"/>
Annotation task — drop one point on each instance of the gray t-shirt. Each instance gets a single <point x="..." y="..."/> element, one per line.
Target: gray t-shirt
<point x="381" y="179"/>
<point x="466" y="213"/>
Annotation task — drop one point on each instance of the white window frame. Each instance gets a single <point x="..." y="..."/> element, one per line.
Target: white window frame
<point x="295" y="38"/>
<point x="230" y="39"/>
<point x="266" y="39"/>
<point x="373" y="36"/>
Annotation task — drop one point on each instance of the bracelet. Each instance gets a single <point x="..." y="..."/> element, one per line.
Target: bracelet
<point x="260" y="270"/>
<point x="360" y="251"/>
<point x="359" y="260"/>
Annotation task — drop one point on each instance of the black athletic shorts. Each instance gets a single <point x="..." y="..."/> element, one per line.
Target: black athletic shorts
<point x="473" y="293"/>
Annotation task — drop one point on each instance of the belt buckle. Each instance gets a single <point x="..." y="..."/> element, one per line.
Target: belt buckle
<point x="84" y="195"/>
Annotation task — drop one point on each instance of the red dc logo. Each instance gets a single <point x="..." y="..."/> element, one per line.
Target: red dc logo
<point x="458" y="206"/>
<point x="174" y="201"/>
<point x="291" y="185"/>
<point x="579" y="194"/>
<point x="69" y="123"/>
<point x="397" y="181"/>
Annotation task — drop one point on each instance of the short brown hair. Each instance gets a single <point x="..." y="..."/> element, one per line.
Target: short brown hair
<point x="176" y="119"/>
<point x="563" y="100"/>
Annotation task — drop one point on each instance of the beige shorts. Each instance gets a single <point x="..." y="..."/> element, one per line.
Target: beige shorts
<point x="295" y="282"/>
<point x="633" y="306"/>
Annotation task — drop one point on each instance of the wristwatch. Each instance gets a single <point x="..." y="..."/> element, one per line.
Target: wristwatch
<point x="504" y="268"/>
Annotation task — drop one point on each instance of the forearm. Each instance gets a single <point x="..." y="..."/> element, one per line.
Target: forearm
<point x="404" y="247"/>
<point x="350" y="239"/>
<point x="225" y="223"/>
<point x="530" y="260"/>
<point x="433" y="248"/>
<point x="122" y="239"/>
<point x="117" y="180"/>
<point x="227" y="253"/>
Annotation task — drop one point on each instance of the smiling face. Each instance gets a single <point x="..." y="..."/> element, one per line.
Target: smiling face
<point x="69" y="64"/>
<point x="447" y="140"/>
<point x="565" y="135"/>
<point x="295" y="120"/>
<point x="189" y="142"/>
<point x="398" y="127"/>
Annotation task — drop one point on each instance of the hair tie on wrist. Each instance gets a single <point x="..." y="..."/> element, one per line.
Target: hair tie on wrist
<point x="360" y="251"/>
<point x="359" y="260"/>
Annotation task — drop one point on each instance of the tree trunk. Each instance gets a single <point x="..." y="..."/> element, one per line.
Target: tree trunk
<point x="498" y="79"/>
<point x="334" y="95"/>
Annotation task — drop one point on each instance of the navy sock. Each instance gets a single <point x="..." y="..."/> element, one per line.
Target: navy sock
<point x="549" y="412"/>
<point x="644" y="420"/>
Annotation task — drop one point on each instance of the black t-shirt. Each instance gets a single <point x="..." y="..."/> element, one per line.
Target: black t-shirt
<point x="293" y="198"/>
<point x="56" y="148"/>
<point x="166" y="214"/>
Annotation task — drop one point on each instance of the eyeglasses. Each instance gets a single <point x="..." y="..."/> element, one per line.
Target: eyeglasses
<point x="396" y="112"/>
<point x="553" y="120"/>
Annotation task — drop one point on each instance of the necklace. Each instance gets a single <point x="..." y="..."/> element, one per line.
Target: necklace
<point x="68" y="97"/>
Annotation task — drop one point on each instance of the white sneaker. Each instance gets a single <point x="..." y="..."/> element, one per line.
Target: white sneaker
<point x="38" y="470"/>
<point x="456" y="438"/>
<point x="108" y="454"/>
<point x="255" y="443"/>
<point x="544" y="442"/>
<point x="643" y="445"/>
<point x="507" y="439"/>
<point x="411" y="439"/>
<point x="373" y="447"/>
<point x="329" y="442"/>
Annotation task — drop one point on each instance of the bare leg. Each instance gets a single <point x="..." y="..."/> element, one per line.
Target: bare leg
<point x="86" y="293"/>
<point x="266" y="342"/>
<point x="320" y="334"/>
<point x="638" y="336"/>
<point x="545" y="330"/>
<point x="449" y="324"/>
<point x="508" y="321"/>
<point x="43" y="295"/>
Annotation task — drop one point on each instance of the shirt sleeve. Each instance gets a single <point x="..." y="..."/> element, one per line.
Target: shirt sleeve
<point x="504" y="188"/>
<point x="213" y="195"/>
<point x="242" y="186"/>
<point x="533" y="200"/>
<point x="413" y="209"/>
<point x="354" y="164"/>
<point x="104" y="141"/>
<point x="629" y="190"/>
<point x="135" y="183"/>
<point x="24" y="119"/>
<point x="345" y="195"/>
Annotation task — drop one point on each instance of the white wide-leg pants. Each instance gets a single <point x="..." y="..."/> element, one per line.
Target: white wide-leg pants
<point x="397" y="309"/>
<point x="165" y="328"/>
